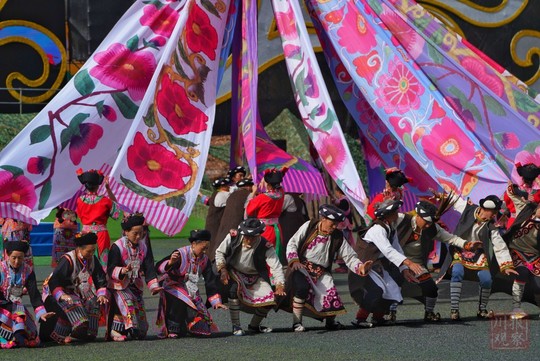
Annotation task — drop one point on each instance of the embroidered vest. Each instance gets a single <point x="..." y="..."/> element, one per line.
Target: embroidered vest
<point x="137" y="280"/>
<point x="336" y="240"/>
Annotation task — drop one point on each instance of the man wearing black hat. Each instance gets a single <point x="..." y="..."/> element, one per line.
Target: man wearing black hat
<point x="216" y="208"/>
<point x="310" y="254"/>
<point x="233" y="214"/>
<point x="381" y="290"/>
<point x="15" y="274"/>
<point x="181" y="307"/>
<point x="74" y="292"/>
<point x="476" y="225"/>
<point x="236" y="175"/>
<point x="242" y="260"/>
<point x="416" y="234"/>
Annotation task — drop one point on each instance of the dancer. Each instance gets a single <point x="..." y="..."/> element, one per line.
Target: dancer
<point x="181" y="307"/>
<point x="129" y="260"/>
<point x="242" y="260"/>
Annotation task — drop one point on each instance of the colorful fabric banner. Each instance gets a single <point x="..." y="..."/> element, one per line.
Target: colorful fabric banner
<point x="415" y="112"/>
<point x="501" y="116"/>
<point x="314" y="102"/>
<point x="144" y="103"/>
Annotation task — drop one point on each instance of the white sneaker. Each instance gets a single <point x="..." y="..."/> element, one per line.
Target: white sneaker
<point x="237" y="331"/>
<point x="298" y="327"/>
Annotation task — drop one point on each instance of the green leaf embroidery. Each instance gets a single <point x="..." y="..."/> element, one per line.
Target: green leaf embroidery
<point x="179" y="141"/>
<point x="149" y="119"/>
<point x="137" y="188"/>
<point x="210" y="7"/>
<point x="16" y="171"/>
<point x="176" y="202"/>
<point x="99" y="108"/>
<point x="494" y="106"/>
<point x="133" y="43"/>
<point x="44" y="194"/>
<point x="126" y="106"/>
<point x="40" y="134"/>
<point x="84" y="83"/>
<point x="525" y="103"/>
<point x="532" y="146"/>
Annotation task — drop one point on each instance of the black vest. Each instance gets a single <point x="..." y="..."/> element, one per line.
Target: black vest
<point x="405" y="230"/>
<point x="259" y="255"/>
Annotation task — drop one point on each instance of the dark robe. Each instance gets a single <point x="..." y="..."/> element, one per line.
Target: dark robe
<point x="290" y="222"/>
<point x="232" y="216"/>
<point x="213" y="220"/>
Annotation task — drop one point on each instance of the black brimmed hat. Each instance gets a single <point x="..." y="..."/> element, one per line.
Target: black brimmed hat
<point x="220" y="182"/>
<point x="251" y="227"/>
<point x="246" y="182"/>
<point x="491" y="202"/>
<point x="387" y="207"/>
<point x="331" y="212"/>
<point x="426" y="210"/>
<point x="91" y="177"/>
<point x="236" y="170"/>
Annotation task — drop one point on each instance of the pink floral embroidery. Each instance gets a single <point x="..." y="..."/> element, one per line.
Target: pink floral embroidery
<point x="332" y="151"/>
<point x="161" y="21"/>
<point x="36" y="165"/>
<point x="403" y="34"/>
<point x="477" y="68"/>
<point x="318" y="240"/>
<point x="331" y="300"/>
<point x="292" y="255"/>
<point x="288" y="24"/>
<point x="202" y="37"/>
<point x="399" y="90"/>
<point x="448" y="147"/>
<point x="17" y="189"/>
<point x="81" y="144"/>
<point x="363" y="39"/>
<point x="120" y="68"/>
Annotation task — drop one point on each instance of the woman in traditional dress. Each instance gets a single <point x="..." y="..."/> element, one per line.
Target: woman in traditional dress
<point x="267" y="207"/>
<point x="17" y="327"/>
<point x="395" y="179"/>
<point x="181" y="307"/>
<point x="528" y="173"/>
<point x="16" y="230"/>
<point x="243" y="260"/>
<point x="75" y="292"/>
<point x="65" y="227"/>
<point x="129" y="260"/>
<point x="524" y="243"/>
<point x="94" y="210"/>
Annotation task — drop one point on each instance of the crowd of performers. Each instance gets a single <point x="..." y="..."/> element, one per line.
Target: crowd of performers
<point x="261" y="252"/>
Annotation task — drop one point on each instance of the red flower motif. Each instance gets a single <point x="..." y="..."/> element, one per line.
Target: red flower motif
<point x="109" y="113"/>
<point x="200" y="34"/>
<point x="287" y="24"/>
<point x="161" y="21"/>
<point x="368" y="65"/>
<point x="448" y="147"/>
<point x="121" y="69"/>
<point x="36" y="165"/>
<point x="81" y="144"/>
<point x="355" y="34"/>
<point x="155" y="166"/>
<point x="17" y="189"/>
<point x="399" y="91"/>
<point x="173" y="102"/>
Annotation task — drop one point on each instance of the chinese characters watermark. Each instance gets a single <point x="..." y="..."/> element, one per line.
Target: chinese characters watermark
<point x="508" y="332"/>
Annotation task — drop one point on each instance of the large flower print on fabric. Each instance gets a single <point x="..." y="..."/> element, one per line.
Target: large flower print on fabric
<point x="399" y="90"/>
<point x="17" y="189"/>
<point x="155" y="166"/>
<point x="333" y="154"/>
<point x="173" y="102"/>
<point x="450" y="149"/>
<point x="356" y="22"/>
<point x="123" y="69"/>
<point x="161" y="21"/>
<point x="202" y="37"/>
